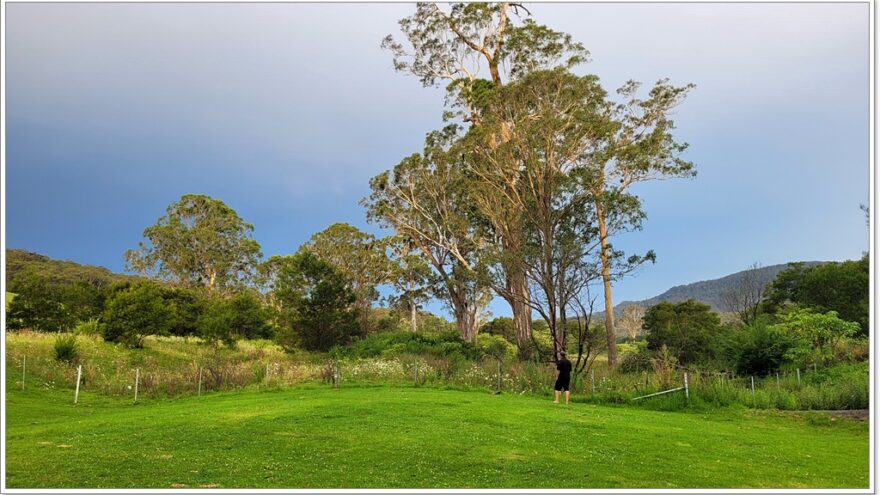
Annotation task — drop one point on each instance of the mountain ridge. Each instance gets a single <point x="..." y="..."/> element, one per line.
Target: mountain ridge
<point x="711" y="291"/>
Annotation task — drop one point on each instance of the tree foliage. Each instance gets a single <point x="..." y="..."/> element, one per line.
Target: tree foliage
<point x="238" y="317"/>
<point x="360" y="258"/>
<point x="840" y="287"/>
<point x="135" y="312"/>
<point x="199" y="242"/>
<point x="318" y="306"/>
<point x="814" y="335"/>
<point x="754" y="349"/>
<point x="40" y="306"/>
<point x="686" y="328"/>
<point x="424" y="199"/>
<point x="410" y="276"/>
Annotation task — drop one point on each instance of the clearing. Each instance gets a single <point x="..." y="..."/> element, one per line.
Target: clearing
<point x="315" y="436"/>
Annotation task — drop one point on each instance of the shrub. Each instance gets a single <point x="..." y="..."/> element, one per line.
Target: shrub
<point x="389" y="344"/>
<point x="65" y="348"/>
<point x="814" y="335"/>
<point x="501" y="326"/>
<point x="756" y="349"/>
<point x="635" y="359"/>
<point x="664" y="365"/>
<point x="90" y="327"/>
<point x="134" y="313"/>
<point x="38" y="305"/>
<point x="187" y="306"/>
<point x="496" y="347"/>
<point x="249" y="317"/>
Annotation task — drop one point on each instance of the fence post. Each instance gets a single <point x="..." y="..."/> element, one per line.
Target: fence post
<point x="23" y="366"/>
<point x="799" y="376"/>
<point x="499" y="376"/>
<point x="753" y="389"/>
<point x="266" y="378"/>
<point x="687" y="395"/>
<point x="200" y="381"/>
<point x="593" y="380"/>
<point x="777" y="381"/>
<point x="137" y="379"/>
<point x="78" y="376"/>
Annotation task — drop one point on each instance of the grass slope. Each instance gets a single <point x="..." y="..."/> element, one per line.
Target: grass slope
<point x="314" y="436"/>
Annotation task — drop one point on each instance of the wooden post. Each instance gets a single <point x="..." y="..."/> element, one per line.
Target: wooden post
<point x="200" y="381"/>
<point x="23" y="366"/>
<point x="814" y="368"/>
<point x="78" y="376"/>
<point x="687" y="395"/>
<point x="753" y="390"/>
<point x="499" y="376"/>
<point x="593" y="380"/>
<point x="266" y="378"/>
<point x="137" y="379"/>
<point x="799" y="376"/>
<point x="416" y="373"/>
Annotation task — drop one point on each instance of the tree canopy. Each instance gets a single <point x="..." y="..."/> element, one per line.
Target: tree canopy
<point x="199" y="242"/>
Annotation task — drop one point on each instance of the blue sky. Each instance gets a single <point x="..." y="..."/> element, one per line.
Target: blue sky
<point x="284" y="111"/>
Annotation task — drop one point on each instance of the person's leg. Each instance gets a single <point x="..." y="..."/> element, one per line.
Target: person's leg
<point x="567" y="396"/>
<point x="557" y="397"/>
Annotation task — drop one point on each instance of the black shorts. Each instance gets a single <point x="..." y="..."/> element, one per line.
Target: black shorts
<point x="562" y="384"/>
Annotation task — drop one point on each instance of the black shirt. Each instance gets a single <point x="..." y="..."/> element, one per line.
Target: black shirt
<point x="564" y="367"/>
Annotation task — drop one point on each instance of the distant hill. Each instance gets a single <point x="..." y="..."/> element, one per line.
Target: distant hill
<point x="19" y="261"/>
<point x="710" y="291"/>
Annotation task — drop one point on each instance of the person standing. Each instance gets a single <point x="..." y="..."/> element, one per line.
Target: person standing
<point x="563" y="377"/>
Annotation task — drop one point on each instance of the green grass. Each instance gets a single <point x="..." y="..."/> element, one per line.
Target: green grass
<point x="315" y="436"/>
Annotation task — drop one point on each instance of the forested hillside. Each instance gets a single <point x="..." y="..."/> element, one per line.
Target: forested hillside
<point x="712" y="292"/>
<point x="19" y="261"/>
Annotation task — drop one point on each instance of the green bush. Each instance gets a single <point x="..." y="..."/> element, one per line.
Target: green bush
<point x="814" y="336"/>
<point x="134" y="313"/>
<point x="496" y="347"/>
<point x="65" y="348"/>
<point x="756" y="349"/>
<point x="502" y="326"/>
<point x="38" y="305"/>
<point x="187" y="306"/>
<point x="388" y="344"/>
<point x="686" y="328"/>
<point x="636" y="358"/>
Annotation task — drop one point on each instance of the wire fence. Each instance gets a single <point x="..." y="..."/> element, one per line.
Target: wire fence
<point x="788" y="389"/>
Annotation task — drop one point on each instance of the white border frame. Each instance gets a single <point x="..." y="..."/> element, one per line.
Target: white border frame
<point x="872" y="305"/>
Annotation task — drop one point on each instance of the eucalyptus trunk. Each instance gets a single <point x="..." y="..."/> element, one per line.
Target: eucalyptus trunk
<point x="606" y="283"/>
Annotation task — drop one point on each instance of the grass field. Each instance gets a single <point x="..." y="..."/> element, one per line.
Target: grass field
<point x="316" y="436"/>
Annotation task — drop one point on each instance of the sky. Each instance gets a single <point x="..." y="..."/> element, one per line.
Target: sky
<point x="285" y="111"/>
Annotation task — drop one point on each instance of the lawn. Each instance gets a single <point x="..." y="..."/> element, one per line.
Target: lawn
<point x="316" y="436"/>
